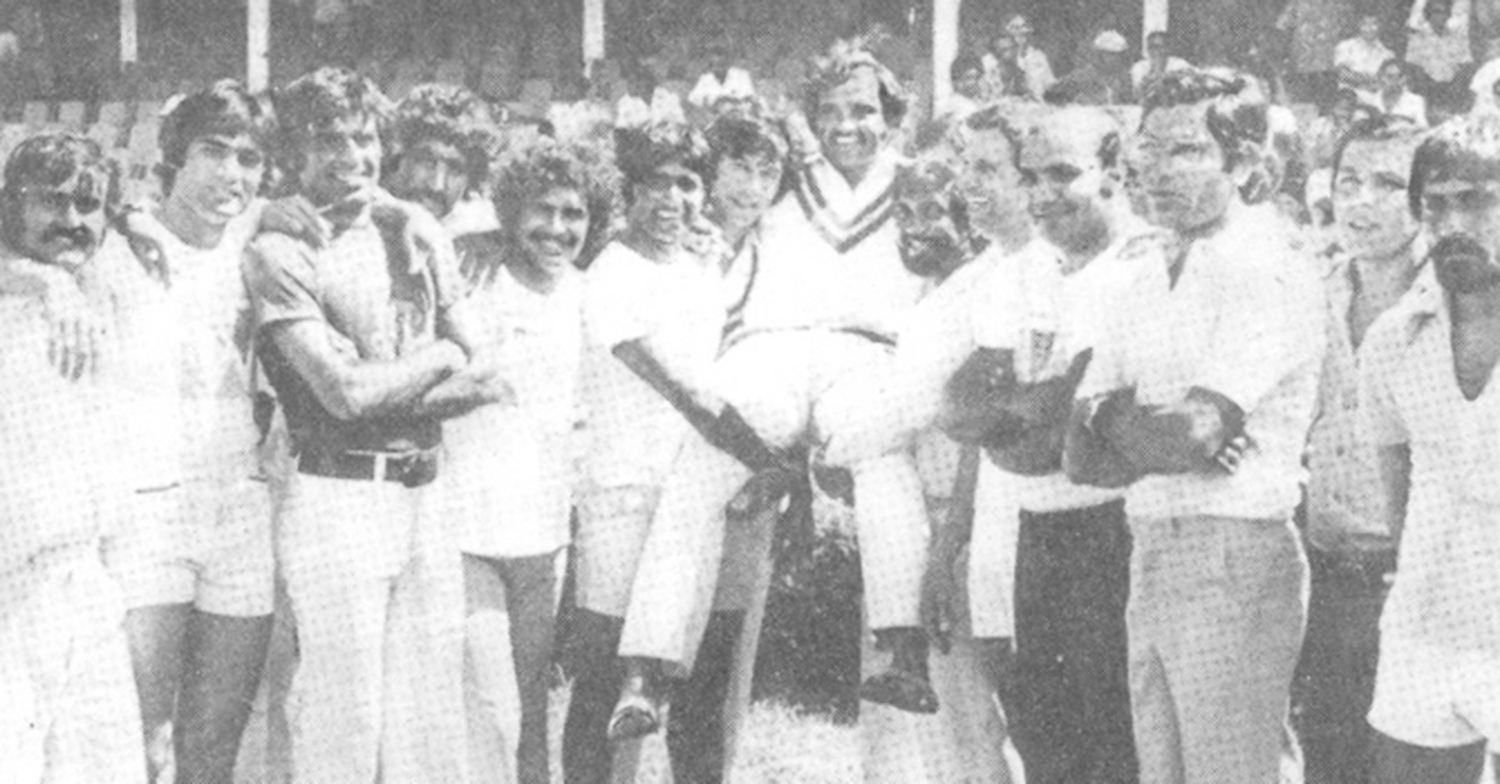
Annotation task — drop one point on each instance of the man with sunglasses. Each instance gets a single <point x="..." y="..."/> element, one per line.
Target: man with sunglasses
<point x="69" y="709"/>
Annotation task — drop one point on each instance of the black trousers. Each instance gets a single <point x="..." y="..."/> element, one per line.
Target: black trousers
<point x="1071" y="700"/>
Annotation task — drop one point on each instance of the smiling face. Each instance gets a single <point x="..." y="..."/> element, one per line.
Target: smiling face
<point x="63" y="224"/>
<point x="1370" y="206"/>
<point x="990" y="185"/>
<point x="1369" y="28"/>
<point x="218" y="178"/>
<point x="342" y="159"/>
<point x="744" y="188"/>
<point x="551" y="229"/>
<point x="432" y="173"/>
<point x="933" y="244"/>
<point x="1179" y="170"/>
<point x="1065" y="180"/>
<point x="663" y="203"/>
<point x="1392" y="77"/>
<point x="850" y="125"/>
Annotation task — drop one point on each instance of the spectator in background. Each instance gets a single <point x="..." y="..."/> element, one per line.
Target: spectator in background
<point x="1001" y="74"/>
<point x="1028" y="66"/>
<point x="1395" y="99"/>
<point x="721" y="82"/>
<point x="1358" y="60"/>
<point x="645" y="99"/>
<point x="1314" y="27"/>
<point x="1159" y="62"/>
<point x="1437" y="47"/>
<point x="1324" y="133"/>
<point x="967" y="76"/>
<point x="1102" y="79"/>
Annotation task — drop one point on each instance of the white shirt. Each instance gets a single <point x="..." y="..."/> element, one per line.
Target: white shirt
<point x="1410" y="106"/>
<point x="1047" y="318"/>
<point x="211" y="308"/>
<point x="709" y="89"/>
<point x="509" y="476"/>
<point x="1142" y="69"/>
<point x="665" y="105"/>
<point x="1362" y="58"/>
<point x="1447" y="589"/>
<point x="677" y="310"/>
<point x="828" y="256"/>
<point x="1244" y="319"/>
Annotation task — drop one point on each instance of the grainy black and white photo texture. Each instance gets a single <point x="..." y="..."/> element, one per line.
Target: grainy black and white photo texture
<point x="750" y="391"/>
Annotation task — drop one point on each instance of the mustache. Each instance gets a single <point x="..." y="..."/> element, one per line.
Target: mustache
<point x="1458" y="245"/>
<point x="78" y="236"/>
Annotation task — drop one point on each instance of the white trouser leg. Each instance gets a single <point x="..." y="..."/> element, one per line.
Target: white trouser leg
<point x="492" y="698"/>
<point x="673" y="591"/>
<point x="892" y="520"/>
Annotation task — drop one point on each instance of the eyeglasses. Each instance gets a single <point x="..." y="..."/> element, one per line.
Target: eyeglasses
<point x="60" y="201"/>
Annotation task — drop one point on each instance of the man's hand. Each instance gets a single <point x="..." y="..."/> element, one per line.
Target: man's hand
<point x="75" y="331"/>
<point x="295" y="217"/>
<point x="766" y="489"/>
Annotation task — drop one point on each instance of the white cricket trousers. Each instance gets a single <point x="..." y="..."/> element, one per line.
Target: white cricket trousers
<point x="376" y="588"/>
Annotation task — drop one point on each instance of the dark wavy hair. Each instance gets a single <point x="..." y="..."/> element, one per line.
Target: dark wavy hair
<point x="49" y="160"/>
<point x="731" y="138"/>
<point x="641" y="150"/>
<point x="1468" y="144"/>
<point x="452" y="115"/>
<point x="530" y="170"/>
<point x="1237" y="114"/>
<point x="839" y="65"/>
<point x="225" y="109"/>
<point x="320" y="98"/>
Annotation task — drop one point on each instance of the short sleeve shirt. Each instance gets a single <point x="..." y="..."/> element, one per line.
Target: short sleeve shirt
<point x="1244" y="319"/>
<point x="509" y="469"/>
<point x="378" y="305"/>
<point x="676" y="309"/>
<point x="1447" y="589"/>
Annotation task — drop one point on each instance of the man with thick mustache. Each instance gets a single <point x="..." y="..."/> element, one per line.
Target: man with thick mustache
<point x="364" y="340"/>
<point x="1428" y="407"/>
<point x="1199" y="397"/>
<point x="1351" y="553"/>
<point x="825" y="304"/>
<point x="1036" y="323"/>
<point x="69" y="711"/>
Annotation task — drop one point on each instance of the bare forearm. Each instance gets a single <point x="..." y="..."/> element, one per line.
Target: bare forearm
<point x="394" y="388"/>
<point x="477" y="384"/>
<point x="351" y="388"/>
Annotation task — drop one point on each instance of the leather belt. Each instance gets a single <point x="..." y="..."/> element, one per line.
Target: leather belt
<point x="412" y="469"/>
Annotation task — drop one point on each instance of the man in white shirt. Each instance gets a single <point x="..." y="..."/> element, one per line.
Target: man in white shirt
<point x="1199" y="398"/>
<point x="1358" y="60"/>
<point x="199" y="573"/>
<point x="1031" y="60"/>
<point x="70" y="710"/>
<point x="1036" y="323"/>
<point x="1159" y="62"/>
<point x="1396" y="99"/>
<point x="826" y="302"/>
<point x="1429" y="410"/>
<point x="1350" y="551"/>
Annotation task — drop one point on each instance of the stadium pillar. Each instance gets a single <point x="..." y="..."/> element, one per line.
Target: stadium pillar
<point x="1154" y="17"/>
<point x="129" y="50"/>
<point x="944" y="46"/>
<point x="258" y="45"/>
<point x="593" y="33"/>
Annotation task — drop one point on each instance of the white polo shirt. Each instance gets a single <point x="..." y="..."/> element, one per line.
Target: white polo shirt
<point x="509" y="479"/>
<point x="1047" y="318"/>
<point x="1447" y="589"/>
<point x="677" y="309"/>
<point x="1244" y="319"/>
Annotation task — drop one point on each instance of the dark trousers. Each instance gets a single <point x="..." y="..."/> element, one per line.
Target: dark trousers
<point x="1071" y="702"/>
<point x="1336" y="675"/>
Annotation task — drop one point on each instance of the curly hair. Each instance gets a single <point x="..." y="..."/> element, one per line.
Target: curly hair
<point x="225" y="109"/>
<point x="315" y="100"/>
<point x="642" y="149"/>
<point x="933" y="169"/>
<point x="532" y="169"/>
<point x="1237" y="114"/>
<point x="49" y="160"/>
<point x="741" y="137"/>
<point x="844" y="58"/>
<point x="452" y="115"/>
<point x="1465" y="146"/>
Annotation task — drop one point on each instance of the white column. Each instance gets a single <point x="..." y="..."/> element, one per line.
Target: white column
<point x="129" y="48"/>
<point x="258" y="45"/>
<point x="593" y="31"/>
<point x="944" y="47"/>
<point x="1154" y="17"/>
